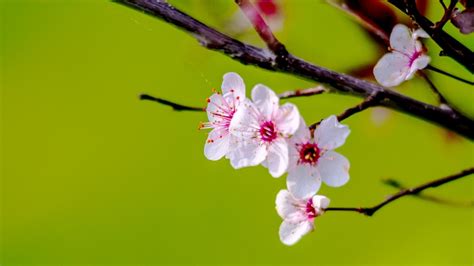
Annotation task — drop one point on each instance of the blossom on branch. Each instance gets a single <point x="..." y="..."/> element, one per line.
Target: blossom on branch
<point x="313" y="160"/>
<point x="406" y="57"/>
<point x="262" y="128"/>
<point x="298" y="215"/>
<point x="220" y="112"/>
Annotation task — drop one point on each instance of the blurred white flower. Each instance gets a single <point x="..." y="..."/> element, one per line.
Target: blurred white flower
<point x="407" y="57"/>
<point x="220" y="112"/>
<point x="313" y="160"/>
<point x="298" y="215"/>
<point x="261" y="128"/>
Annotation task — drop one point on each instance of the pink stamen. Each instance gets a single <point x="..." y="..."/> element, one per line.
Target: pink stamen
<point x="268" y="132"/>
<point x="310" y="211"/>
<point x="414" y="56"/>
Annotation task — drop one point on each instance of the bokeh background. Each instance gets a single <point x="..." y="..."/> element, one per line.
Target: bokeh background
<point x="92" y="175"/>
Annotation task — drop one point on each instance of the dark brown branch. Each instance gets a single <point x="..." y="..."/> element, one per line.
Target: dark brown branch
<point x="450" y="46"/>
<point x="437" y="70"/>
<point x="251" y="55"/>
<point x="456" y="203"/>
<point x="405" y="192"/>
<point x="284" y="95"/>
<point x="261" y="27"/>
<point x="175" y="106"/>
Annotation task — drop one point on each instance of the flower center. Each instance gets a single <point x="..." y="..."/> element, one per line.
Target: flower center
<point x="309" y="153"/>
<point x="310" y="211"/>
<point x="414" y="56"/>
<point x="268" y="132"/>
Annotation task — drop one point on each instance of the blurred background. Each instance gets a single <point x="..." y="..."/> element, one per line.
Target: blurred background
<point x="92" y="175"/>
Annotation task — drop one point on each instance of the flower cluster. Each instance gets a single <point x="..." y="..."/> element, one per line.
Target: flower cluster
<point x="260" y="131"/>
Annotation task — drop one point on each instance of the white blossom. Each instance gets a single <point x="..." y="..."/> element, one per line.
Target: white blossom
<point x="298" y="215"/>
<point x="406" y="57"/>
<point x="220" y="112"/>
<point x="313" y="160"/>
<point x="262" y="128"/>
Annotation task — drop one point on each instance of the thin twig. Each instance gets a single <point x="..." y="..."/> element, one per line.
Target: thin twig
<point x="450" y="46"/>
<point x="456" y="203"/>
<point x="284" y="95"/>
<point x="441" y="98"/>
<point x="342" y="83"/>
<point x="448" y="12"/>
<point x="371" y="101"/>
<point x="437" y="70"/>
<point x="405" y="192"/>
<point x="261" y="27"/>
<point x="175" y="106"/>
<point x="303" y="93"/>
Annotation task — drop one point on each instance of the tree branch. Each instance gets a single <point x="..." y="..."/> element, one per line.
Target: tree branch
<point x="450" y="46"/>
<point x="248" y="54"/>
<point x="456" y="203"/>
<point x="405" y="192"/>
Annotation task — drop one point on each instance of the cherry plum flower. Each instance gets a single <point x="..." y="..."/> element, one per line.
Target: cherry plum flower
<point x="262" y="128"/>
<point x="298" y="215"/>
<point x="312" y="159"/>
<point x="406" y="57"/>
<point x="220" y="112"/>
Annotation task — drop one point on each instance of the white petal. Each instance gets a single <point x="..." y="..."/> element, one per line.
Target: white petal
<point x="420" y="33"/>
<point x="217" y="106"/>
<point x="401" y="39"/>
<point x="419" y="63"/>
<point x="331" y="134"/>
<point x="287" y="119"/>
<point x="286" y="204"/>
<point x="245" y="122"/>
<point x="265" y="99"/>
<point x="320" y="202"/>
<point x="277" y="160"/>
<point x="303" y="181"/>
<point x="334" y="169"/>
<point x="302" y="134"/>
<point x="233" y="84"/>
<point x="290" y="233"/>
<point x="392" y="69"/>
<point x="247" y="154"/>
<point x="217" y="144"/>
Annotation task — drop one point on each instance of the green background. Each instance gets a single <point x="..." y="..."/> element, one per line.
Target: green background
<point x="92" y="175"/>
